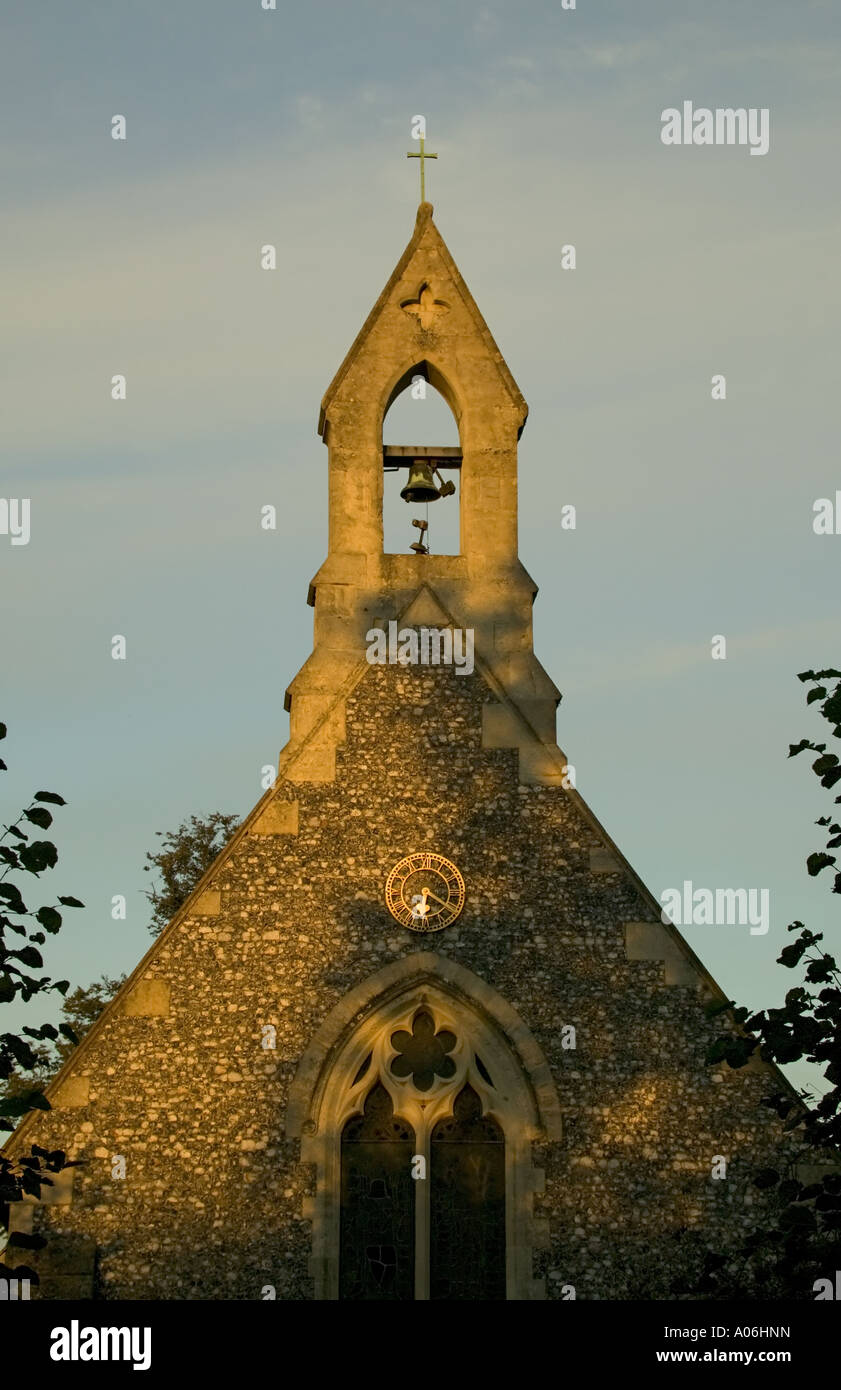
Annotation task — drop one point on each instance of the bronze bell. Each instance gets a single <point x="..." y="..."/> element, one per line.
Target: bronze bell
<point x="421" y="485"/>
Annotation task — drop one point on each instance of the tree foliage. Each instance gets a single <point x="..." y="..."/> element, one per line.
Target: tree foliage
<point x="183" y="858"/>
<point x="24" y="855"/>
<point x="804" y="1242"/>
<point x="80" y="1009"/>
<point x="29" y="1060"/>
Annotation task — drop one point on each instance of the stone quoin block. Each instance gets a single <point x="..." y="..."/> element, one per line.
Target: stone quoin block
<point x="147" y="999"/>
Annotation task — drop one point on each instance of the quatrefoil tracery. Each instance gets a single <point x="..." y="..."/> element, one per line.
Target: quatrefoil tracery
<point x="422" y="1054"/>
<point x="426" y="308"/>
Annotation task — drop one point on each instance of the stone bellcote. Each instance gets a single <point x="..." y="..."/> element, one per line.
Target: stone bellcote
<point x="425" y="323"/>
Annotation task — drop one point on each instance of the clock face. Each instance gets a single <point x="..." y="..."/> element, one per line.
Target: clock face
<point x="424" y="892"/>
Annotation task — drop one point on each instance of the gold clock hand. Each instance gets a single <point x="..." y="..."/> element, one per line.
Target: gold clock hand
<point x="434" y="896"/>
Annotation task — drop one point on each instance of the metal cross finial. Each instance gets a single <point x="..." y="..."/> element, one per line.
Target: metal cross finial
<point x="421" y="154"/>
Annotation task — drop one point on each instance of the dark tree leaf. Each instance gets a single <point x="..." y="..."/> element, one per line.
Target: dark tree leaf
<point x="819" y="971"/>
<point x="45" y="1031"/>
<point x="49" y="919"/>
<point x="792" y="954"/>
<point x="828" y="1201"/>
<point x="790" y="1190"/>
<point x="797" y="1219"/>
<point x="38" y="816"/>
<point x="22" y="1240"/>
<point x="795" y="748"/>
<point x="31" y="1183"/>
<point x="70" y="902"/>
<point x="13" y="898"/>
<point x="25" y="1100"/>
<point x="766" y="1177"/>
<point x="29" y="955"/>
<point x="40" y="855"/>
<point x="714" y="1009"/>
<point x="20" y="1050"/>
<point x="52" y="797"/>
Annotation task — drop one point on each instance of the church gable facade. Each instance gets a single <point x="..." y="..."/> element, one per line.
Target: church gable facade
<point x="420" y="1032"/>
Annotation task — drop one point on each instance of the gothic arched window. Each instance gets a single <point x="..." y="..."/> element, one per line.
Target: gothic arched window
<point x="419" y="1119"/>
<point x="467" y="1204"/>
<point x="422" y="1200"/>
<point x="377" y="1256"/>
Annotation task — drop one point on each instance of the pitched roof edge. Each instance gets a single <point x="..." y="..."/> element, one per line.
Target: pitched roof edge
<point x="476" y="314"/>
<point x="424" y="215"/>
<point x="13" y="1141"/>
<point x="645" y="893"/>
<point x="424" y="218"/>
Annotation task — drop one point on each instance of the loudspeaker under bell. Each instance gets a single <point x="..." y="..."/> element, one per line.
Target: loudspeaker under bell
<point x="421" y="485"/>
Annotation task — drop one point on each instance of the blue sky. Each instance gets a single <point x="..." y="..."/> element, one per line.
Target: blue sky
<point x="694" y="517"/>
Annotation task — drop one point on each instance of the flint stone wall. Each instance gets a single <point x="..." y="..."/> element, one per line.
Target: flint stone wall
<point x="215" y="1200"/>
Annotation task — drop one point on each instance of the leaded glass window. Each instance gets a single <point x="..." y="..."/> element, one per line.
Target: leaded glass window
<point x="467" y="1194"/>
<point x="422" y="1198"/>
<point x="377" y="1258"/>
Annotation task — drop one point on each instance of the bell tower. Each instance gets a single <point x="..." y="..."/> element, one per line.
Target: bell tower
<point x="425" y="323"/>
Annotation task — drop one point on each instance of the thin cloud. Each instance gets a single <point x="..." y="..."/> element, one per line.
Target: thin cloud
<point x="661" y="662"/>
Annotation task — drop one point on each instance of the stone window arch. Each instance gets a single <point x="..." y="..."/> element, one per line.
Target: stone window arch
<point x="425" y="1032"/>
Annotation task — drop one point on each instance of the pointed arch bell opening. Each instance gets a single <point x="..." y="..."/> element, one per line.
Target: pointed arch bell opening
<point x="419" y="417"/>
<point x="430" y="371"/>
